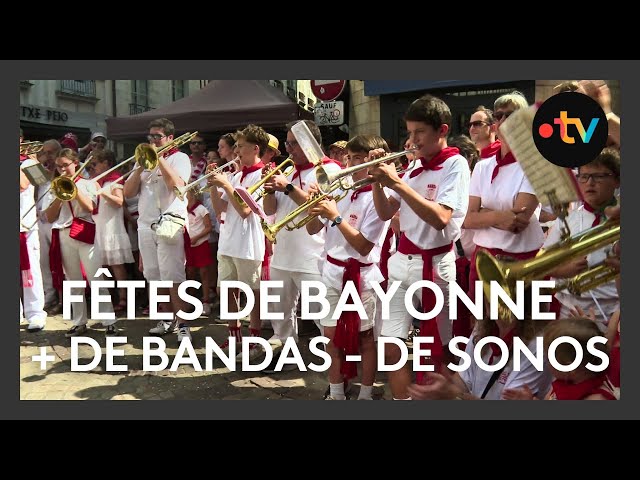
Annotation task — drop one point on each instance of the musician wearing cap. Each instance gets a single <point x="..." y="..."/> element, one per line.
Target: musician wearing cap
<point x="295" y="254"/>
<point x="98" y="142"/>
<point x="241" y="245"/>
<point x="32" y="299"/>
<point x="337" y="151"/>
<point x="432" y="199"/>
<point x="163" y="256"/>
<point x="353" y="244"/>
<point x="598" y="181"/>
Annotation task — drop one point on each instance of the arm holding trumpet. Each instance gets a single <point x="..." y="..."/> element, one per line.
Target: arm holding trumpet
<point x="221" y="180"/>
<point x="278" y="183"/>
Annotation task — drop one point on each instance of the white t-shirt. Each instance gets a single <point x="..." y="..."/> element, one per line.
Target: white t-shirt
<point x="87" y="187"/>
<point x="27" y="202"/>
<point x="501" y="195"/>
<point x="448" y="186"/>
<point x="196" y="223"/>
<point x="580" y="220"/>
<point x="477" y="378"/>
<point x="155" y="198"/>
<point x="296" y="250"/>
<point x="242" y="237"/>
<point x="361" y="215"/>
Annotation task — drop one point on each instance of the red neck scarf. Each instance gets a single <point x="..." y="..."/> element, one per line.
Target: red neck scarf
<point x="355" y="194"/>
<point x="192" y="208"/>
<point x="491" y="150"/>
<point x="578" y="391"/>
<point x="501" y="162"/>
<point x="496" y="353"/>
<point x="347" y="334"/>
<point x="247" y="170"/>
<point x="436" y="162"/>
<point x="25" y="265"/>
<point x="23" y="158"/>
<point x="600" y="212"/>
<point x="112" y="177"/>
<point x="170" y="152"/>
<point x="301" y="168"/>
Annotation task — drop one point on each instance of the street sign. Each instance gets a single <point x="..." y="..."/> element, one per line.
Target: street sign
<point x="329" y="113"/>
<point x="327" y="90"/>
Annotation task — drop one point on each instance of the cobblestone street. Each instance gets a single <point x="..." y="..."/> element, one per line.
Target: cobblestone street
<point x="58" y="382"/>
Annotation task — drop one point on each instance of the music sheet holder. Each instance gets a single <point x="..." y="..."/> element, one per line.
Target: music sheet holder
<point x="37" y="174"/>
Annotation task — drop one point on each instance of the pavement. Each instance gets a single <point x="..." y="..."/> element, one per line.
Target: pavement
<point x="57" y="381"/>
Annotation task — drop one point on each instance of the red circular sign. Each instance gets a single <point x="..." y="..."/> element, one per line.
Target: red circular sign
<point x="327" y="90"/>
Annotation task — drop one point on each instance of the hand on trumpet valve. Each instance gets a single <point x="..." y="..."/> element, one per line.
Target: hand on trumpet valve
<point x="383" y="173"/>
<point x="313" y="188"/>
<point x="326" y="208"/>
<point x="276" y="183"/>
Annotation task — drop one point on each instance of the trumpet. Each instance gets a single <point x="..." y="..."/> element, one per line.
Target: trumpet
<point x="270" y="173"/>
<point x="29" y="148"/>
<point x="508" y="273"/>
<point x="181" y="191"/>
<point x="270" y="231"/>
<point x="325" y="179"/>
<point x="585" y="281"/>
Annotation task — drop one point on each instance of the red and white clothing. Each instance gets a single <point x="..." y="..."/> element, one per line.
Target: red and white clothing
<point x="597" y="385"/>
<point x="196" y="222"/>
<point x="500" y="194"/>
<point x="241" y="237"/>
<point x="198" y="166"/>
<point x="44" y="232"/>
<point x="477" y="379"/>
<point x="603" y="299"/>
<point x="76" y="254"/>
<point x="447" y="184"/>
<point x="199" y="254"/>
<point x="131" y="204"/>
<point x="32" y="303"/>
<point x="296" y="255"/>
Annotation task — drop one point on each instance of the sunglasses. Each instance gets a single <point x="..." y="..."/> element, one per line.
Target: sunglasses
<point x="498" y="115"/>
<point x="155" y="136"/>
<point x="478" y="123"/>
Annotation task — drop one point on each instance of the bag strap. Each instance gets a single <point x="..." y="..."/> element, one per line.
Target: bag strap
<point x="459" y="248"/>
<point x="492" y="380"/>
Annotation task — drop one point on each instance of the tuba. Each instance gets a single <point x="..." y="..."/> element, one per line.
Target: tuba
<point x="508" y="273"/>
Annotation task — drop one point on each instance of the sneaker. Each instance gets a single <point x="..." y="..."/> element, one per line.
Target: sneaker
<point x="255" y="351"/>
<point x="184" y="332"/>
<point x="35" y="327"/>
<point x="162" y="328"/>
<point x="76" y="331"/>
<point x="111" y="330"/>
<point x="225" y="347"/>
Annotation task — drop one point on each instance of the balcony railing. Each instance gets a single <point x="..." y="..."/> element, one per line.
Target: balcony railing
<point x="135" y="108"/>
<point x="79" y="88"/>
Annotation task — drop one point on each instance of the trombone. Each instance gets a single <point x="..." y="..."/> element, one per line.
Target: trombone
<point x="270" y="231"/>
<point x="29" y="148"/>
<point x="326" y="180"/>
<point x="270" y="172"/>
<point x="181" y="191"/>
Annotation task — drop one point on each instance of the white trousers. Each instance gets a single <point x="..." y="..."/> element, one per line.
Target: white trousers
<point x="44" y="232"/>
<point x="33" y="297"/>
<point x="292" y="285"/>
<point x="74" y="252"/>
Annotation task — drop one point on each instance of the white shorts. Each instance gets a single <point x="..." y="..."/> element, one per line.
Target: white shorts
<point x="369" y="301"/>
<point x="161" y="260"/>
<point x="408" y="270"/>
<point x="239" y="269"/>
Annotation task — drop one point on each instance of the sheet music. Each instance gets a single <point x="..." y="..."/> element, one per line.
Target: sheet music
<point x="545" y="177"/>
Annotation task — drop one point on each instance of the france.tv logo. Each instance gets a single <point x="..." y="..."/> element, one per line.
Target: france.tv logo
<point x="570" y="129"/>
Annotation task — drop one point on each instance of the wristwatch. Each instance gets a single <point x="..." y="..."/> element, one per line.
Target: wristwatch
<point x="337" y="221"/>
<point x="288" y="188"/>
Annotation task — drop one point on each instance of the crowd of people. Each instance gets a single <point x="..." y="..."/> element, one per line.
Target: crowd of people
<point x="423" y="218"/>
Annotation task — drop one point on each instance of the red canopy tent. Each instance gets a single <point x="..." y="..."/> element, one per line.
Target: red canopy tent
<point x="221" y="106"/>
